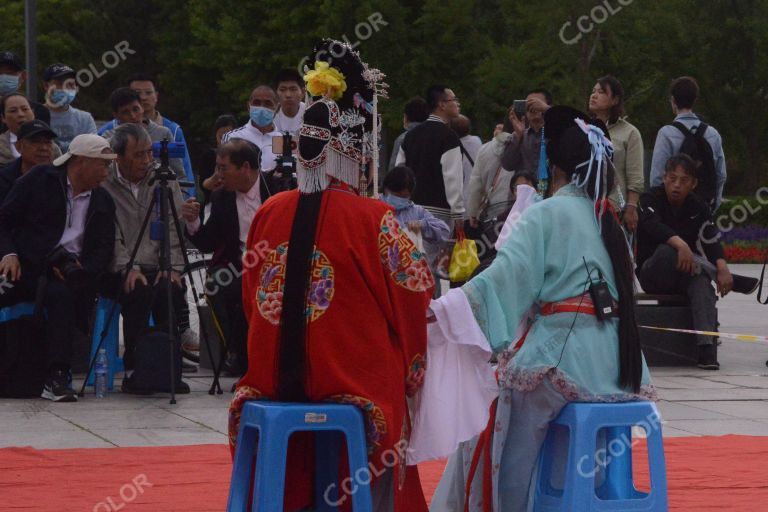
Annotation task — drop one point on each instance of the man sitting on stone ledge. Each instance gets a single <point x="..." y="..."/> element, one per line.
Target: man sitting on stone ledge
<point x="679" y="251"/>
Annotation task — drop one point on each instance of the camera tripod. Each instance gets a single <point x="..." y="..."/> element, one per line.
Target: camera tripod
<point x="163" y="197"/>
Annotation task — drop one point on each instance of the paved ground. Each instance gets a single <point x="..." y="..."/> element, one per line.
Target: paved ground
<point x="693" y="402"/>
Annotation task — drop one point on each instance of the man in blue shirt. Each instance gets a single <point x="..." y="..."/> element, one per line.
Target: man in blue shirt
<point x="685" y="91"/>
<point x="146" y="88"/>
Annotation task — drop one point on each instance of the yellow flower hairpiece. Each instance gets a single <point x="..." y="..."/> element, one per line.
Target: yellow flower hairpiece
<point x="325" y="81"/>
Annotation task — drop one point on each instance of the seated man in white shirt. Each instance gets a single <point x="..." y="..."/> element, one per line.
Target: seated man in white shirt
<point x="225" y="233"/>
<point x="260" y="128"/>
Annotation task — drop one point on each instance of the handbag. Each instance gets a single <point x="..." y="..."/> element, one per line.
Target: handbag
<point x="464" y="259"/>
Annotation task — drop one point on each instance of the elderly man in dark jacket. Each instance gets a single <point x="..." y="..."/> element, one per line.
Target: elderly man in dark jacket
<point x="57" y="236"/>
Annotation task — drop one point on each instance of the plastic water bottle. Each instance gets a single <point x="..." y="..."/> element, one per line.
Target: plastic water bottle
<point x="100" y="373"/>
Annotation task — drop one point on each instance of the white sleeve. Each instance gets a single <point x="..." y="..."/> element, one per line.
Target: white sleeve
<point x="459" y="384"/>
<point x="453" y="177"/>
<point x="400" y="156"/>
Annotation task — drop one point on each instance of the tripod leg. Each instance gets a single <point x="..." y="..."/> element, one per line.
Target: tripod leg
<point x="120" y="291"/>
<point x="215" y="385"/>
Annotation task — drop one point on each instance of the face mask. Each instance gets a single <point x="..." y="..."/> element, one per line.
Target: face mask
<point x="62" y="97"/>
<point x="261" y="116"/>
<point x="8" y="84"/>
<point x="398" y="203"/>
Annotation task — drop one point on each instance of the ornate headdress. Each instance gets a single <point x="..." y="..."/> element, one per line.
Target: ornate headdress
<point x="339" y="131"/>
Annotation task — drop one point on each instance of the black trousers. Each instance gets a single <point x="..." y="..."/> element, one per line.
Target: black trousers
<point x="67" y="307"/>
<point x="139" y="304"/>
<point x="660" y="275"/>
<point x="227" y="300"/>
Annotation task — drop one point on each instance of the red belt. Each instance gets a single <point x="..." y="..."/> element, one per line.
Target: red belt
<point x="579" y="304"/>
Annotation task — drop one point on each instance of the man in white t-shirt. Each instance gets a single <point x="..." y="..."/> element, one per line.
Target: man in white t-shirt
<point x="290" y="92"/>
<point x="260" y="128"/>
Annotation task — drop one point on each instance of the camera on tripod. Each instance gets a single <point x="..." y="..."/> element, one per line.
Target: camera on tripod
<point x="284" y="175"/>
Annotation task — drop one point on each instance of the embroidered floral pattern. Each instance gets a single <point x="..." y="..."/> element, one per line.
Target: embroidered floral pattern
<point x="269" y="294"/>
<point x="321" y="286"/>
<point x="375" y="421"/>
<point x="242" y="395"/>
<point x="405" y="263"/>
<point x="512" y="376"/>
<point x="415" y="377"/>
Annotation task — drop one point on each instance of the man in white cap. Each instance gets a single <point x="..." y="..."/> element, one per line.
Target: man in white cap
<point x="57" y="237"/>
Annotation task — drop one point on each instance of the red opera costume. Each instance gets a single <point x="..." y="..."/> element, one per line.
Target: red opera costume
<point x="335" y="293"/>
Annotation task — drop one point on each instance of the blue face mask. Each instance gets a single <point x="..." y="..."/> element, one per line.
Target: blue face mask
<point x="8" y="84"/>
<point x="261" y="116"/>
<point x="62" y="97"/>
<point x="398" y="203"/>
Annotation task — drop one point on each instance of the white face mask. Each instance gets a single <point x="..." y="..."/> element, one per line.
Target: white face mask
<point x="9" y="84"/>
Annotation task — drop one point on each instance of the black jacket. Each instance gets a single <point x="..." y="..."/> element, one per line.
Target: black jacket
<point x="9" y="173"/>
<point x="659" y="221"/>
<point x="32" y="221"/>
<point x="221" y="232"/>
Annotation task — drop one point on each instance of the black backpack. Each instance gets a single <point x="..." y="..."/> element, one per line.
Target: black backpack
<point x="697" y="147"/>
<point x="22" y="358"/>
<point x="152" y="361"/>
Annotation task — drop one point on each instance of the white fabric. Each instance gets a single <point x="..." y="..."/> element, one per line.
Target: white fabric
<point x="283" y="123"/>
<point x="472" y="144"/>
<point x="247" y="204"/>
<point x="262" y="140"/>
<point x="459" y="384"/>
<point x="74" y="228"/>
<point x="525" y="197"/>
<point x="14" y="151"/>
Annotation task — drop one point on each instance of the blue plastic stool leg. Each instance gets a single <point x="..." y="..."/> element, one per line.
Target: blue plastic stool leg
<point x="242" y="468"/>
<point x="618" y="471"/>
<point x="269" y="489"/>
<point x="358" y="465"/>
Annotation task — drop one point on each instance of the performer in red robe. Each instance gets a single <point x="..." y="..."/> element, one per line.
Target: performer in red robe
<point x="336" y="293"/>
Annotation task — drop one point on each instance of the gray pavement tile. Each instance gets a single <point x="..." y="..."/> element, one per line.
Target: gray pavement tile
<point x="31" y="421"/>
<point x="151" y="417"/>
<point x="686" y="382"/>
<point x="162" y="436"/>
<point x="216" y="419"/>
<point x="54" y="440"/>
<point x="744" y="409"/>
<point x="688" y="411"/>
<point x="680" y="395"/>
<point x="720" y="427"/>
<point x="746" y="381"/>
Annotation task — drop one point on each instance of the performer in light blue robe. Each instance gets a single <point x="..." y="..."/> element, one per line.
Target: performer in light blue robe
<point x="555" y="250"/>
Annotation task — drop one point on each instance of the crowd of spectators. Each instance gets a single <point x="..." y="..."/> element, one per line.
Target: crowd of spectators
<point x="74" y="197"/>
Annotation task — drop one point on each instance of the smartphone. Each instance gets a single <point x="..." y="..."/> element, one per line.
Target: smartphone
<point x="519" y="108"/>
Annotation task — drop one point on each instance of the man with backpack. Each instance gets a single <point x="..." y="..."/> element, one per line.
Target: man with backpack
<point x="689" y="135"/>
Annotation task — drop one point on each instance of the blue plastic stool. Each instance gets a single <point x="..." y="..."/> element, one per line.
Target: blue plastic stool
<point x="265" y="428"/>
<point x="617" y="492"/>
<point x="111" y="341"/>
<point x="16" y="311"/>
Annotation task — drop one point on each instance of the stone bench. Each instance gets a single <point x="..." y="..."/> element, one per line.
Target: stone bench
<point x="666" y="348"/>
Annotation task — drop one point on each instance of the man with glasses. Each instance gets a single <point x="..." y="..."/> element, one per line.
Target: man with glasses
<point x="433" y="151"/>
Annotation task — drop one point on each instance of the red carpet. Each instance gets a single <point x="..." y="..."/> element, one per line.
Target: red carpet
<point x="705" y="473"/>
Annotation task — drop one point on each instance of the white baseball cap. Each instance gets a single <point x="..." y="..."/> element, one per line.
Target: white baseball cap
<point x="89" y="145"/>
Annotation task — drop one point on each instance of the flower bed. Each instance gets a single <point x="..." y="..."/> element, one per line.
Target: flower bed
<point x="748" y="244"/>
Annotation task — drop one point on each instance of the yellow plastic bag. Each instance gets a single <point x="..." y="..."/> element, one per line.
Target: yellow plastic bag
<point x="464" y="260"/>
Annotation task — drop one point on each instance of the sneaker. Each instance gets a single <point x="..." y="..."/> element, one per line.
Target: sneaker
<point x="744" y="284"/>
<point x="708" y="357"/>
<point x="188" y="367"/>
<point x="190" y="341"/>
<point x="58" y="387"/>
